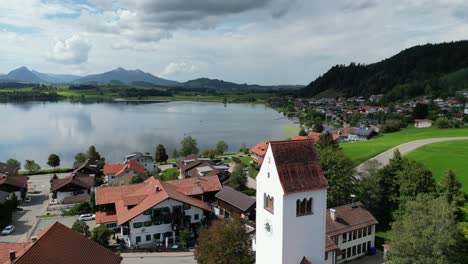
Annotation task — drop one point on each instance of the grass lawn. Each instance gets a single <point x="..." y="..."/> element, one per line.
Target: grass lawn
<point x="169" y="174"/>
<point x="362" y="151"/>
<point x="290" y="130"/>
<point x="439" y="157"/>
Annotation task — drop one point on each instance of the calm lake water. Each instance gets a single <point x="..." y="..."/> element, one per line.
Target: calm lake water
<point x="34" y="130"/>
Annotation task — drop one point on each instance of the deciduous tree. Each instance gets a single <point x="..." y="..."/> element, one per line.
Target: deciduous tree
<point x="221" y="147"/>
<point x="189" y="146"/>
<point x="426" y="232"/>
<point x="82" y="228"/>
<point x="80" y="157"/>
<point x="54" y="160"/>
<point x="14" y="163"/>
<point x="31" y="165"/>
<point x="238" y="178"/>
<point x="101" y="234"/>
<point x="224" y="242"/>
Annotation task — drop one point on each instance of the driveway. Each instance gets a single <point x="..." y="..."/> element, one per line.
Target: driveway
<point x="384" y="157"/>
<point x="26" y="219"/>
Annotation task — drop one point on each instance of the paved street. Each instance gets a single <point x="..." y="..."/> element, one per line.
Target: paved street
<point x="25" y="220"/>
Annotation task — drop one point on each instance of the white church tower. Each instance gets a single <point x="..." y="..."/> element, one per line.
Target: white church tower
<point x="291" y="205"/>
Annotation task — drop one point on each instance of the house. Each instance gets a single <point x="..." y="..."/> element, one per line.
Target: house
<point x="117" y="174"/>
<point x="352" y="228"/>
<point x="191" y="166"/>
<point x="231" y="202"/>
<point x="144" y="159"/>
<point x="422" y="123"/>
<point x="202" y="188"/>
<point x="258" y="152"/>
<point x="17" y="185"/>
<point x="360" y="134"/>
<point x="466" y="109"/>
<point x="88" y="167"/>
<point x="148" y="213"/>
<point x="291" y="205"/>
<point x="74" y="188"/>
<point x="57" y="244"/>
<point x="315" y="136"/>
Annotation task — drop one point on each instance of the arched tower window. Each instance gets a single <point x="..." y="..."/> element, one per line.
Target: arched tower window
<point x="304" y="206"/>
<point x="268" y="203"/>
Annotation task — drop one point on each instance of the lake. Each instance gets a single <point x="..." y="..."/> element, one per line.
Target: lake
<point x="36" y="129"/>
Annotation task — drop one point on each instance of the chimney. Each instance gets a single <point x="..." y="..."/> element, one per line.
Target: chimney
<point x="333" y="214"/>
<point x="158" y="189"/>
<point x="12" y="255"/>
<point x="353" y="201"/>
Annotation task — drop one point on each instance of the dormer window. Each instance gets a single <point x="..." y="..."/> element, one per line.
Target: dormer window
<point x="268" y="203"/>
<point x="304" y="207"/>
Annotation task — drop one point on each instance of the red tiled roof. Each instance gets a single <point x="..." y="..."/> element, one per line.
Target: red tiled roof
<point x="298" y="166"/>
<point x="259" y="149"/>
<point x="111" y="194"/>
<point x="59" y="244"/>
<point x="77" y="179"/>
<point x="299" y="137"/>
<point x="16" y="180"/>
<point x="5" y="250"/>
<point x="198" y="185"/>
<point x="305" y="261"/>
<point x="117" y="169"/>
<point x="329" y="244"/>
<point x="422" y="120"/>
<point x="349" y="218"/>
<point x="314" y="136"/>
<point x="133" y="200"/>
<point x="105" y="217"/>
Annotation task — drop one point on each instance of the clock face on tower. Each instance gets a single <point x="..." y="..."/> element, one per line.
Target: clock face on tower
<point x="268" y="227"/>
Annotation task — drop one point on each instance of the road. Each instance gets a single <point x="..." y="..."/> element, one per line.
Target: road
<point x="26" y="219"/>
<point x="385" y="156"/>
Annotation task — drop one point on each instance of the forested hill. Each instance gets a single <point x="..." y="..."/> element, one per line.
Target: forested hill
<point x="432" y="69"/>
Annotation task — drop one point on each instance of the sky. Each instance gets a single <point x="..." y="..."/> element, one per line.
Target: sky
<point x="246" y="41"/>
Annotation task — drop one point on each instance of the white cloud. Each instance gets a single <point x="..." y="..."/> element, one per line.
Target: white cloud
<point x="176" y="69"/>
<point x="73" y="50"/>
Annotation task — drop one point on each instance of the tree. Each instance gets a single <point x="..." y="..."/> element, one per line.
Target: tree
<point x="80" y="157"/>
<point x="54" y="160"/>
<point x="420" y="111"/>
<point x="326" y="141"/>
<point x="442" y="122"/>
<point x="136" y="179"/>
<point x="31" y="165"/>
<point x="302" y="132"/>
<point x="339" y="171"/>
<point x="101" y="235"/>
<point x="14" y="163"/>
<point x="92" y="154"/>
<point x="189" y="146"/>
<point x="184" y="237"/>
<point x="81" y="227"/>
<point x="451" y="189"/>
<point x="426" y="232"/>
<point x="221" y="147"/>
<point x="160" y="154"/>
<point x="224" y="242"/>
<point x="414" y="178"/>
<point x="318" y="125"/>
<point x="238" y="177"/>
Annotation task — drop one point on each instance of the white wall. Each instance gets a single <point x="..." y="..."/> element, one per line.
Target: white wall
<point x="154" y="229"/>
<point x="355" y="242"/>
<point x="305" y="235"/>
<point x="269" y="247"/>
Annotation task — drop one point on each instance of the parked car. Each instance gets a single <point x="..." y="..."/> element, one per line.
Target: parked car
<point x="8" y="230"/>
<point x="27" y="199"/>
<point x="87" y="217"/>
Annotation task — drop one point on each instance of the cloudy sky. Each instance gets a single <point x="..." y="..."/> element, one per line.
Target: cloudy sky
<point x="253" y="41"/>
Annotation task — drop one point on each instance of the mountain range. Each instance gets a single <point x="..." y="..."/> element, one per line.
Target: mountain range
<point x="128" y="77"/>
<point x="438" y="70"/>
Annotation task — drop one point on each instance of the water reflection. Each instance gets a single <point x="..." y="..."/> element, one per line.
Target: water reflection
<point x="116" y="129"/>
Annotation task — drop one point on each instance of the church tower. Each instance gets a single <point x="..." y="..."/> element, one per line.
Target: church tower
<point x="291" y="205"/>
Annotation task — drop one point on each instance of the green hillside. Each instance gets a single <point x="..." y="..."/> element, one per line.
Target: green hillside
<point x="431" y="69"/>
